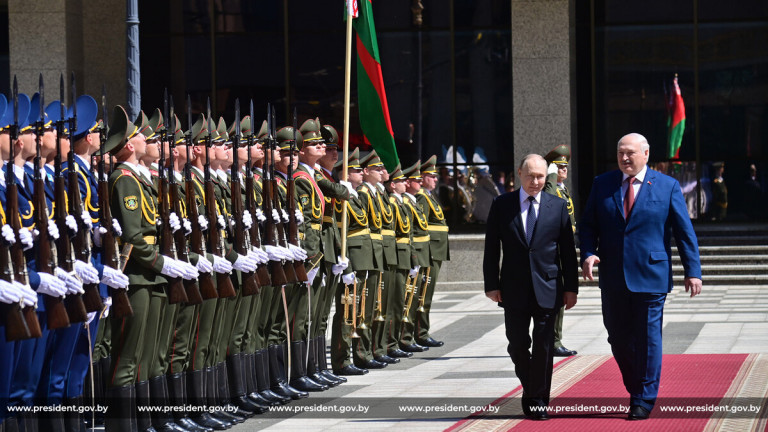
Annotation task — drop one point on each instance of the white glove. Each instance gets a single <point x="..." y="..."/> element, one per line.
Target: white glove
<point x="107" y="306"/>
<point x="53" y="231"/>
<point x="244" y="264"/>
<point x="171" y="267"/>
<point x="51" y="285"/>
<point x="8" y="235"/>
<point x="86" y="272"/>
<point x="74" y="285"/>
<point x="26" y="238"/>
<point x="275" y="253"/>
<point x="203" y="265"/>
<point x="232" y="222"/>
<point x="222" y="222"/>
<point x="349" y="187"/>
<point x="299" y="217"/>
<point x="9" y="294"/>
<point x="297" y="253"/>
<point x="552" y="169"/>
<point x="114" y="278"/>
<point x="187" y="226"/>
<point x="221" y="265"/>
<point x="86" y="218"/>
<point x="247" y="219"/>
<point x="174" y="222"/>
<point x="285" y="216"/>
<point x="71" y="224"/>
<point x="91" y="316"/>
<point x="118" y="230"/>
<point x="259" y="255"/>
<point x="203" y="222"/>
<point x="339" y="268"/>
<point x="414" y="271"/>
<point x="348" y="278"/>
<point x="28" y="294"/>
<point x="259" y="215"/>
<point x="189" y="272"/>
<point x="312" y="274"/>
<point x="275" y="216"/>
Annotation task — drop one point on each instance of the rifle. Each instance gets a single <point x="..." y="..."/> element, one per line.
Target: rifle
<point x="262" y="273"/>
<point x="121" y="305"/>
<point x="279" y="277"/>
<point x="180" y="238"/>
<point x="46" y="249"/>
<point x="196" y="243"/>
<point x="176" y="292"/>
<point x="81" y="242"/>
<point x="17" y="260"/>
<point x="250" y="284"/>
<point x="215" y="241"/>
<point x="293" y="226"/>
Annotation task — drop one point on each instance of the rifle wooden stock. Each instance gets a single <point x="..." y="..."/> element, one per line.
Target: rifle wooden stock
<point x="270" y="235"/>
<point x="223" y="281"/>
<point x="250" y="285"/>
<point x="121" y="305"/>
<point x="262" y="273"/>
<point x="74" y="303"/>
<point x="288" y="268"/>
<point x="18" y="261"/>
<point x="15" y="326"/>
<point x="81" y="242"/>
<point x="176" y="292"/>
<point x="54" y="306"/>
<point x="293" y="229"/>
<point x="182" y="252"/>
<point x="196" y="243"/>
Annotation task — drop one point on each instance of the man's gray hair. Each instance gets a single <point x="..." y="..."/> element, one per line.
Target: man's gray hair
<point x="643" y="142"/>
<point x="529" y="157"/>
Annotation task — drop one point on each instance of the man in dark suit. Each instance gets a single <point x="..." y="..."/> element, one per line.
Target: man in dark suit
<point x="539" y="273"/>
<point x="627" y="225"/>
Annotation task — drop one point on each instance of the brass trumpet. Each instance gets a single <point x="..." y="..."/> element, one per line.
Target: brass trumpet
<point x="423" y="295"/>
<point x="363" y="295"/>
<point x="379" y="315"/>
<point x="354" y="334"/>
<point x="410" y="292"/>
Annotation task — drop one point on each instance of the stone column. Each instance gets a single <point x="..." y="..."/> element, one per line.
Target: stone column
<point x="542" y="86"/>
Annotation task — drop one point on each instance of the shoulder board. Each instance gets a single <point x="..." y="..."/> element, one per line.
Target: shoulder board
<point x="363" y="188"/>
<point x="154" y="172"/>
<point x="126" y="172"/>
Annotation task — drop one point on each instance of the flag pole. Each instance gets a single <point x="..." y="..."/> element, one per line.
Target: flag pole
<point x="345" y="153"/>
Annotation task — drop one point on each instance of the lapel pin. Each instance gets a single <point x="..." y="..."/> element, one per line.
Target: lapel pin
<point x="649" y="182"/>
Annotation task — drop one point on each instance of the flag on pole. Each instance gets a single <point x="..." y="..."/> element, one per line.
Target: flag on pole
<point x="352" y="8"/>
<point x="371" y="97"/>
<point x="675" y="121"/>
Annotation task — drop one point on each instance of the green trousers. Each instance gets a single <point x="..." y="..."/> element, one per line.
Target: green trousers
<point x="422" y="318"/>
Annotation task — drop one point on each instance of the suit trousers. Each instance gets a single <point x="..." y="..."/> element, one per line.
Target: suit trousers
<point x="533" y="362"/>
<point x="634" y="321"/>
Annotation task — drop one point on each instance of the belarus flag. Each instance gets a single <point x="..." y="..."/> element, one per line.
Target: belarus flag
<point x="675" y="121"/>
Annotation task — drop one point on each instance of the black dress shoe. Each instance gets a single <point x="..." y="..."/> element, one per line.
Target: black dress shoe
<point x="563" y="352"/>
<point x="329" y="375"/>
<point x="636" y="412"/>
<point x="350" y="370"/>
<point x="398" y="353"/>
<point x="430" y="342"/>
<point x="372" y="364"/>
<point x="321" y="379"/>
<point x="387" y="359"/>
<point x="306" y="384"/>
<point x="538" y="415"/>
<point x="414" y="347"/>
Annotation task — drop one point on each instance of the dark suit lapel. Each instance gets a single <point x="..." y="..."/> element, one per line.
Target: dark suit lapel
<point x="517" y="219"/>
<point x="545" y="211"/>
<point x="617" y="195"/>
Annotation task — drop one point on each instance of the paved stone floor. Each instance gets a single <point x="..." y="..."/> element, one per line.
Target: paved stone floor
<point x="473" y="367"/>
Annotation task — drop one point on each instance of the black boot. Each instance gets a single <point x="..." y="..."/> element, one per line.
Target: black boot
<point x="314" y="366"/>
<point x="322" y="362"/>
<point x="158" y="392"/>
<point x="143" y="416"/>
<point x="262" y="378"/>
<point x="10" y="424"/>
<point x="277" y="377"/>
<point x="28" y="422"/>
<point x="121" y="415"/>
<point x="299" y="378"/>
<point x="197" y="397"/>
<point x="221" y="397"/>
<point x="177" y="397"/>
<point x="73" y="420"/>
<point x="251" y="388"/>
<point x="238" y="395"/>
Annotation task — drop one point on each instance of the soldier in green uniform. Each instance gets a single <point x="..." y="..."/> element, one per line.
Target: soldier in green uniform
<point x="402" y="220"/>
<point x="438" y="248"/>
<point x="420" y="245"/>
<point x="557" y="160"/>
<point x="719" y="193"/>
<point x="134" y="205"/>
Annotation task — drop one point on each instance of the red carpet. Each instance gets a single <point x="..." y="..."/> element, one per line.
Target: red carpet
<point x="714" y="392"/>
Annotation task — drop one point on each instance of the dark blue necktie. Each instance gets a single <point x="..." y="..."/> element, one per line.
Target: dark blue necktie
<point x="530" y="221"/>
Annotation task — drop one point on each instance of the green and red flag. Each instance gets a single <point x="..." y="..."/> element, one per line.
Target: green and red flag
<point x="371" y="97"/>
<point x="675" y="121"/>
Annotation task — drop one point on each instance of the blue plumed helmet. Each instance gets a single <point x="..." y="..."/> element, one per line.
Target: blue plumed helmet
<point x="7" y="119"/>
<point x="87" y="117"/>
<point x="34" y="112"/>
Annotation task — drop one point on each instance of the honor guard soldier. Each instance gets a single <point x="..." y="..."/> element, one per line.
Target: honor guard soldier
<point x="406" y="269"/>
<point x="420" y="246"/>
<point x="557" y="173"/>
<point x="438" y="248"/>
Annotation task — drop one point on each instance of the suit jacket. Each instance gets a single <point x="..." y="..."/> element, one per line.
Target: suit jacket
<point x="637" y="252"/>
<point x="530" y="268"/>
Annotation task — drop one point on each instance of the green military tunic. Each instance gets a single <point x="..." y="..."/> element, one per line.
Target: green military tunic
<point x="406" y="259"/>
<point x="438" y="251"/>
<point x="420" y="237"/>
